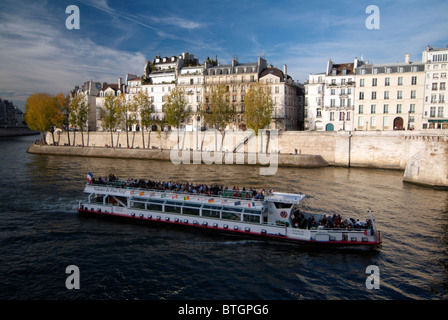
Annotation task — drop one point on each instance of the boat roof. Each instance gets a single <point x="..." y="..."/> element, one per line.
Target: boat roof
<point x="215" y="200"/>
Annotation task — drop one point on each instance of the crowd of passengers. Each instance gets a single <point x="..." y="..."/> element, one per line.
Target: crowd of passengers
<point x="213" y="190"/>
<point x="335" y="221"/>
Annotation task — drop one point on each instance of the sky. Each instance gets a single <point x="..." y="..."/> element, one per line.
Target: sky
<point x="38" y="53"/>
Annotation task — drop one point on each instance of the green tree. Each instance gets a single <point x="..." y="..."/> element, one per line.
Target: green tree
<point x="217" y="111"/>
<point x="110" y="114"/>
<point x="143" y="104"/>
<point x="42" y="113"/>
<point x="176" y="109"/>
<point x="79" y="113"/>
<point x="258" y="107"/>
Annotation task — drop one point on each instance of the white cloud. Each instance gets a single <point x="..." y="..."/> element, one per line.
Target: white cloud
<point x="35" y="56"/>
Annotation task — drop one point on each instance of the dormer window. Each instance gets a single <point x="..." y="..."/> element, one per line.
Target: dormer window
<point x="344" y="72"/>
<point x="333" y="72"/>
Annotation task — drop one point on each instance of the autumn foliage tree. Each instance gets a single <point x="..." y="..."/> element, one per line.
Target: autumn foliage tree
<point x="42" y="113"/>
<point x="176" y="109"/>
<point x="258" y="107"/>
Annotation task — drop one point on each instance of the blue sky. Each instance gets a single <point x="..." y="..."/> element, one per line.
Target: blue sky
<point x="39" y="54"/>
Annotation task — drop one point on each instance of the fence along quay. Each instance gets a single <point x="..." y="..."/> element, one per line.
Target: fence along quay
<point x="256" y="213"/>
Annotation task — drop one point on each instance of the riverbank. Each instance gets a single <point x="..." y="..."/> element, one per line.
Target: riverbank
<point x="422" y="155"/>
<point x="296" y="160"/>
<point x="16" y="132"/>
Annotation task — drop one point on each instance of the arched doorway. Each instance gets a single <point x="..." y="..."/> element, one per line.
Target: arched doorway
<point x="398" y="123"/>
<point x="329" y="127"/>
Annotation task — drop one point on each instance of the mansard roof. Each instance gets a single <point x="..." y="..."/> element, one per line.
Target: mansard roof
<point x="274" y="71"/>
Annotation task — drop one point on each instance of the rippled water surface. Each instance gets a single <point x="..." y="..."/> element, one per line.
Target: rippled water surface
<point x="41" y="234"/>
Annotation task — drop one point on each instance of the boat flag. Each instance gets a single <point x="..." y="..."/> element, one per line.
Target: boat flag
<point x="141" y="194"/>
<point x="163" y="196"/>
<point x="89" y="177"/>
<point x="186" y="198"/>
<point x="237" y="203"/>
<point x="211" y="200"/>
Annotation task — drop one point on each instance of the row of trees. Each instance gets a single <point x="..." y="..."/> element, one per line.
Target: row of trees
<point x="45" y="113"/>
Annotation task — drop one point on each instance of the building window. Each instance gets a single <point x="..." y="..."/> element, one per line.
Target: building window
<point x="386" y="108"/>
<point x="332" y="103"/>
<point x="412" y="108"/>
<point x="400" y="81"/>
<point x="360" y="122"/>
<point x="361" y="96"/>
<point x="414" y="81"/>
<point x="442" y="86"/>
<point x="440" y="112"/>
<point x="385" y="122"/>
<point x="386" y="95"/>
<point x="331" y="116"/>
<point x="319" y="113"/>
<point x="373" y="121"/>
<point x="398" y="108"/>
<point x="432" y="112"/>
<point x="348" y="116"/>
<point x="373" y="95"/>
<point x="374" y="82"/>
<point x="399" y="94"/>
<point x="413" y="94"/>
<point x="333" y="92"/>
<point x="434" y="98"/>
<point x="361" y="82"/>
<point x="341" y="116"/>
<point x="387" y="82"/>
<point x="373" y="109"/>
<point x="434" y="86"/>
<point x="441" y="98"/>
<point x="360" y="109"/>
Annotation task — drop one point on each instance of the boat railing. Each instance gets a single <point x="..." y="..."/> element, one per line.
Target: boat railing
<point x="228" y="193"/>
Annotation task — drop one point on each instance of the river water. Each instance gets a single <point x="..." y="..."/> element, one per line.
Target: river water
<point x="41" y="234"/>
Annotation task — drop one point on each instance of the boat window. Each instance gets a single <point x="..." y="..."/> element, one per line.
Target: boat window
<point x="231" y="215"/>
<point x="233" y="209"/>
<point x="154" y="206"/>
<point x="210" y="213"/>
<point x="137" y="205"/>
<point x="251" y="218"/>
<point x="282" y="205"/>
<point x="191" y="211"/>
<point x="252" y="211"/>
<point x="196" y="205"/>
<point x="172" y="208"/>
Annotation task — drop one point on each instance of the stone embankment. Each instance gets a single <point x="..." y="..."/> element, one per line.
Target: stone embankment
<point x="421" y="155"/>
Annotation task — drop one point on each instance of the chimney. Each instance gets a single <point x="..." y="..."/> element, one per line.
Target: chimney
<point x="285" y="71"/>
<point x="407" y="58"/>
<point x="119" y="83"/>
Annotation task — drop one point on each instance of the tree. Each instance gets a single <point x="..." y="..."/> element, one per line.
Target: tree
<point x="64" y="106"/>
<point x="128" y="112"/>
<point x="143" y="104"/>
<point x="217" y="112"/>
<point x="258" y="107"/>
<point x="79" y="113"/>
<point x="42" y="113"/>
<point x="110" y="115"/>
<point x="176" y="109"/>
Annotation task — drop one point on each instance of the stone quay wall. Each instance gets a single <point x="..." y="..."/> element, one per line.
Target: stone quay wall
<point x="422" y="155"/>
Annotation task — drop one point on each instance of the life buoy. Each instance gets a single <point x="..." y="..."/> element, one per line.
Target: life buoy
<point x="283" y="214"/>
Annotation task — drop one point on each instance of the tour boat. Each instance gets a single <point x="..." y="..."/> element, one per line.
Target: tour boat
<point x="271" y="215"/>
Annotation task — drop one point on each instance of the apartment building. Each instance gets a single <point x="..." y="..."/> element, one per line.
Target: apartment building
<point x="389" y="96"/>
<point x="237" y="78"/>
<point x="287" y="98"/>
<point x="435" y="109"/>
<point x="329" y="98"/>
